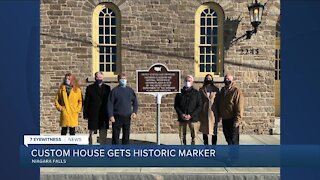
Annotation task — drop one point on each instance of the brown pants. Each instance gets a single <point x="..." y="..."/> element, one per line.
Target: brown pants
<point x="194" y="128"/>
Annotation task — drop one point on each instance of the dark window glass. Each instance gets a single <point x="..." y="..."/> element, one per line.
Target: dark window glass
<point x="201" y="50"/>
<point x="113" y="30"/>
<point x="203" y="20"/>
<point x="276" y="53"/>
<point x="203" y="14"/>
<point x="214" y="14"/>
<point x="202" y="40"/>
<point x="201" y="58"/>
<point x="101" y="14"/>
<point x="107" y="39"/>
<point x="206" y="11"/>
<point x="201" y="67"/>
<point x="214" y="59"/>
<point x="107" y="30"/>
<point x="113" y="21"/>
<point x="114" y="50"/>
<point x="100" y="21"/>
<point x="113" y="40"/>
<point x="101" y="67"/>
<point x="208" y="60"/>
<point x="279" y="75"/>
<point x="215" y="40"/>
<point x="215" y="21"/>
<point x="108" y="67"/>
<point x="208" y="31"/>
<point x="101" y="49"/>
<point x="208" y="50"/>
<point x="101" y="30"/>
<point x="112" y="13"/>
<point x="276" y="75"/>
<point x="114" y="68"/>
<point x="214" y="49"/>
<point x="208" y="67"/>
<point x="107" y="20"/>
<point x="104" y="10"/>
<point x="101" y="58"/>
<point x="213" y="68"/>
<point x="108" y="58"/>
<point x="209" y="39"/>
<point x="114" y="58"/>
<point x="276" y="64"/>
<point x="279" y="64"/>
<point x="215" y="31"/>
<point x="202" y="31"/>
<point x="100" y="39"/>
<point x="108" y="50"/>
<point x="209" y="21"/>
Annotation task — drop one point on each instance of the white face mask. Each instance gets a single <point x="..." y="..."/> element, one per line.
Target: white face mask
<point x="187" y="84"/>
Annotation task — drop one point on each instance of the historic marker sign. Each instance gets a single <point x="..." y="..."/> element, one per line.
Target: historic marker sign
<point x="158" y="79"/>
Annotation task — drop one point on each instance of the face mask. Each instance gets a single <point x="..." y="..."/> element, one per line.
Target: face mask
<point x="187" y="84"/>
<point x="67" y="81"/>
<point x="208" y="81"/>
<point x="98" y="81"/>
<point x="123" y="82"/>
<point x="227" y="83"/>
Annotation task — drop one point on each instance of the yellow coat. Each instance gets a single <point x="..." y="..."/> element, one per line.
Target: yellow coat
<point x="69" y="106"/>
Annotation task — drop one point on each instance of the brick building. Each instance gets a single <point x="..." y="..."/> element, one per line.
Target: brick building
<point x="194" y="36"/>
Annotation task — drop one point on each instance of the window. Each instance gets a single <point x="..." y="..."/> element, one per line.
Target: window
<point x="209" y="53"/>
<point x="277" y="53"/>
<point x="106" y="39"/>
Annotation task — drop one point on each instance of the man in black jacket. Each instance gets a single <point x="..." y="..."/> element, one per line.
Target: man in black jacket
<point x="188" y="105"/>
<point x="95" y="108"/>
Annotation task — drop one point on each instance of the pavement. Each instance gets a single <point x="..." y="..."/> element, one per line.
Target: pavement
<point x="223" y="173"/>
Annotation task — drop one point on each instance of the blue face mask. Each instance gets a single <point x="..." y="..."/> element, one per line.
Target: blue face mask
<point x="98" y="81"/>
<point x="67" y="81"/>
<point x="123" y="82"/>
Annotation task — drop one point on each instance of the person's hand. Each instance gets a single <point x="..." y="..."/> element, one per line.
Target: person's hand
<point x="183" y="116"/>
<point x="188" y="117"/>
<point x="133" y="115"/>
<point x="61" y="108"/>
<point x="111" y="119"/>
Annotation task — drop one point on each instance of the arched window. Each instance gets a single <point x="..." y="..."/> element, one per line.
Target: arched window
<point x="106" y="32"/>
<point x="209" y="52"/>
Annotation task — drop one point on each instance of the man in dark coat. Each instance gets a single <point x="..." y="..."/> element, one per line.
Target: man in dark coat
<point x="188" y="105"/>
<point x="95" y="108"/>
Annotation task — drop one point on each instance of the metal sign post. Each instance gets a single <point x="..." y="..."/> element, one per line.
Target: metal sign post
<point x="158" y="117"/>
<point x="158" y="81"/>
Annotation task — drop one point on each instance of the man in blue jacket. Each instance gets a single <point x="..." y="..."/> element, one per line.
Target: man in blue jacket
<point x="122" y="107"/>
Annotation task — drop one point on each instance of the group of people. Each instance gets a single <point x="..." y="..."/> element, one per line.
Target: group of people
<point x="208" y="106"/>
<point x="101" y="105"/>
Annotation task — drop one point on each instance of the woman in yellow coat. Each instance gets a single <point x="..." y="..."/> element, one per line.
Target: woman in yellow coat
<point x="69" y="103"/>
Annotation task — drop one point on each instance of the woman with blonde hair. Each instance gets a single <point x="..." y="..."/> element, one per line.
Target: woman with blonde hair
<point x="209" y="115"/>
<point x="69" y="103"/>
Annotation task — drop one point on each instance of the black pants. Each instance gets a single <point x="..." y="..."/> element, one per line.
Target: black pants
<point x="124" y="123"/>
<point x="72" y="130"/>
<point x="205" y="139"/>
<point x="230" y="132"/>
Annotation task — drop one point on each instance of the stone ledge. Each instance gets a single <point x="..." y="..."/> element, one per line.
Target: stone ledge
<point x="215" y="79"/>
<point x="105" y="79"/>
